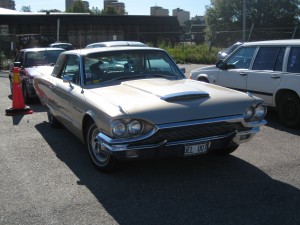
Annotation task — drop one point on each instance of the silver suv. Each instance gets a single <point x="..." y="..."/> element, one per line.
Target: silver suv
<point x="267" y="69"/>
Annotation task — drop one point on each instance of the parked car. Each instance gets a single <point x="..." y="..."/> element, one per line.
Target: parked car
<point x="66" y="46"/>
<point x="268" y="69"/>
<point x="33" y="62"/>
<point x="135" y="103"/>
<point x="116" y="44"/>
<point x="226" y="52"/>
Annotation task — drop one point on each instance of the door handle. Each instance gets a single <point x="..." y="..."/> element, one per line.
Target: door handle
<point x="275" y="77"/>
<point x="243" y="74"/>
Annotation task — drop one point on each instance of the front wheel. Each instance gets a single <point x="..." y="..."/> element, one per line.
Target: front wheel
<point x="101" y="158"/>
<point x="289" y="110"/>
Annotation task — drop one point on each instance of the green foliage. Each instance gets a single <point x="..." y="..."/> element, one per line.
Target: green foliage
<point x="191" y="53"/>
<point x="26" y="8"/>
<point x="4" y="61"/>
<point x="224" y="19"/>
<point x="112" y="11"/>
<point x="95" y="11"/>
<point x="50" y="10"/>
<point x="78" y="7"/>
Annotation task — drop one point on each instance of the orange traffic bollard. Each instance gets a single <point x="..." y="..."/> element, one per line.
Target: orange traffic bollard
<point x="18" y="104"/>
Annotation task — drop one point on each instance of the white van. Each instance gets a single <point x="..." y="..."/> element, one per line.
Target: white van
<point x="267" y="69"/>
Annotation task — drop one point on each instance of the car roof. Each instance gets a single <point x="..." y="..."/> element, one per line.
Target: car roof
<point x="40" y="49"/>
<point x="85" y="51"/>
<point x="116" y="43"/>
<point x="60" y="43"/>
<point x="274" y="42"/>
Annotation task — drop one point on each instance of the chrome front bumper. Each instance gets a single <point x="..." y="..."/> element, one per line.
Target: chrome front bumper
<point x="120" y="147"/>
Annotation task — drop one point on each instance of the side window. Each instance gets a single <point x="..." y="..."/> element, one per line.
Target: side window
<point x="279" y="61"/>
<point x="293" y="65"/>
<point x="269" y="58"/>
<point x="58" y="66"/>
<point x="242" y="58"/>
<point x="20" y="58"/>
<point x="71" y="70"/>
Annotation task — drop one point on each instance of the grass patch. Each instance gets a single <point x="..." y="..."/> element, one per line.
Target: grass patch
<point x="191" y="53"/>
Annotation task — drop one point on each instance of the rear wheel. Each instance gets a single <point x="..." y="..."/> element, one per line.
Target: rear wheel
<point x="52" y="120"/>
<point x="101" y="158"/>
<point x="289" y="110"/>
<point x="25" y="94"/>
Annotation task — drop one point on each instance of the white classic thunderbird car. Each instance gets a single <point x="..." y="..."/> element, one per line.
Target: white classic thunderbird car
<point x="135" y="103"/>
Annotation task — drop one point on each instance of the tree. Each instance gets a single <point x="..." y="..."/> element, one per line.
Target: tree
<point x="270" y="18"/>
<point x="50" y="10"/>
<point x="78" y="7"/>
<point x="95" y="11"/>
<point x="26" y="8"/>
<point x="112" y="11"/>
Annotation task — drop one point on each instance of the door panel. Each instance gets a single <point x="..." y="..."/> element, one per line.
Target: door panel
<point x="237" y="69"/>
<point x="266" y="74"/>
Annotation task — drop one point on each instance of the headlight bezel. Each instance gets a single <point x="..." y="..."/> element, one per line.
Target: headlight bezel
<point x="119" y="128"/>
<point x="262" y="109"/>
<point x="255" y="113"/>
<point x="249" y="113"/>
<point x="127" y="128"/>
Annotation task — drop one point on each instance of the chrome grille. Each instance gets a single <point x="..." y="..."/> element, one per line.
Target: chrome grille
<point x="191" y="132"/>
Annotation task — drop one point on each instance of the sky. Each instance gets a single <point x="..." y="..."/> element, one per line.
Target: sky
<point x="133" y="7"/>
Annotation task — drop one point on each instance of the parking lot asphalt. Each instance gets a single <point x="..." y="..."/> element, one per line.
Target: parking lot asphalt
<point x="47" y="178"/>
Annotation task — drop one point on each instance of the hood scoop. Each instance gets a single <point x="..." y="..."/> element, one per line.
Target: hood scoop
<point x="187" y="95"/>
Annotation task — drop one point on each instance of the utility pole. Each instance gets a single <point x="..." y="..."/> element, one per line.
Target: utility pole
<point x="57" y="32"/>
<point x="244" y="20"/>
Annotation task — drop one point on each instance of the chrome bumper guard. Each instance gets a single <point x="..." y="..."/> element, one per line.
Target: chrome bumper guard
<point x="235" y="138"/>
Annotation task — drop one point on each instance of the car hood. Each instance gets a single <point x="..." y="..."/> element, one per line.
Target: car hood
<point x="205" y="68"/>
<point x="39" y="70"/>
<point x="164" y="101"/>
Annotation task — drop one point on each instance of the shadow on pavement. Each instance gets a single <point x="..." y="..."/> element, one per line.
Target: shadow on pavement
<point x="203" y="190"/>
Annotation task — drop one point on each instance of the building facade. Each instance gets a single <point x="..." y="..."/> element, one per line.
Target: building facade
<point x="158" y="11"/>
<point x="70" y="3"/>
<point x="119" y="7"/>
<point x="8" y="4"/>
<point x="182" y="15"/>
<point x="83" y="29"/>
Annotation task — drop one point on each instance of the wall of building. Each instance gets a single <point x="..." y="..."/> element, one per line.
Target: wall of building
<point x="82" y="29"/>
<point x="7" y="4"/>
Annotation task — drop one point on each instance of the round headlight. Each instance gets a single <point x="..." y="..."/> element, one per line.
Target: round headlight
<point x="249" y="113"/>
<point x="135" y="127"/>
<point x="119" y="129"/>
<point x="260" y="112"/>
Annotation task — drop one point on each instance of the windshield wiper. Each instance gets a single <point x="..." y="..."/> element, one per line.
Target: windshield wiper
<point x="163" y="75"/>
<point x="126" y="78"/>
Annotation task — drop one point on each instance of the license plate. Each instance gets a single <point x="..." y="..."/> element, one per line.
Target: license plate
<point x="196" y="149"/>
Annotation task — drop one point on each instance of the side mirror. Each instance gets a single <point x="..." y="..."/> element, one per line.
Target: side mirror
<point x="221" y="65"/>
<point x="182" y="70"/>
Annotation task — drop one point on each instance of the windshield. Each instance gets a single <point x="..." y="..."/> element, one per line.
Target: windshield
<point x="40" y="58"/>
<point x="118" y="65"/>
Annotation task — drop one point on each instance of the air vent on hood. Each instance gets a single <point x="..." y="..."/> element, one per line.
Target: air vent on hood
<point x="181" y="96"/>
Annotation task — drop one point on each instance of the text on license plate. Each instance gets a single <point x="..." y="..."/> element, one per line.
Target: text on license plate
<point x="196" y="149"/>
